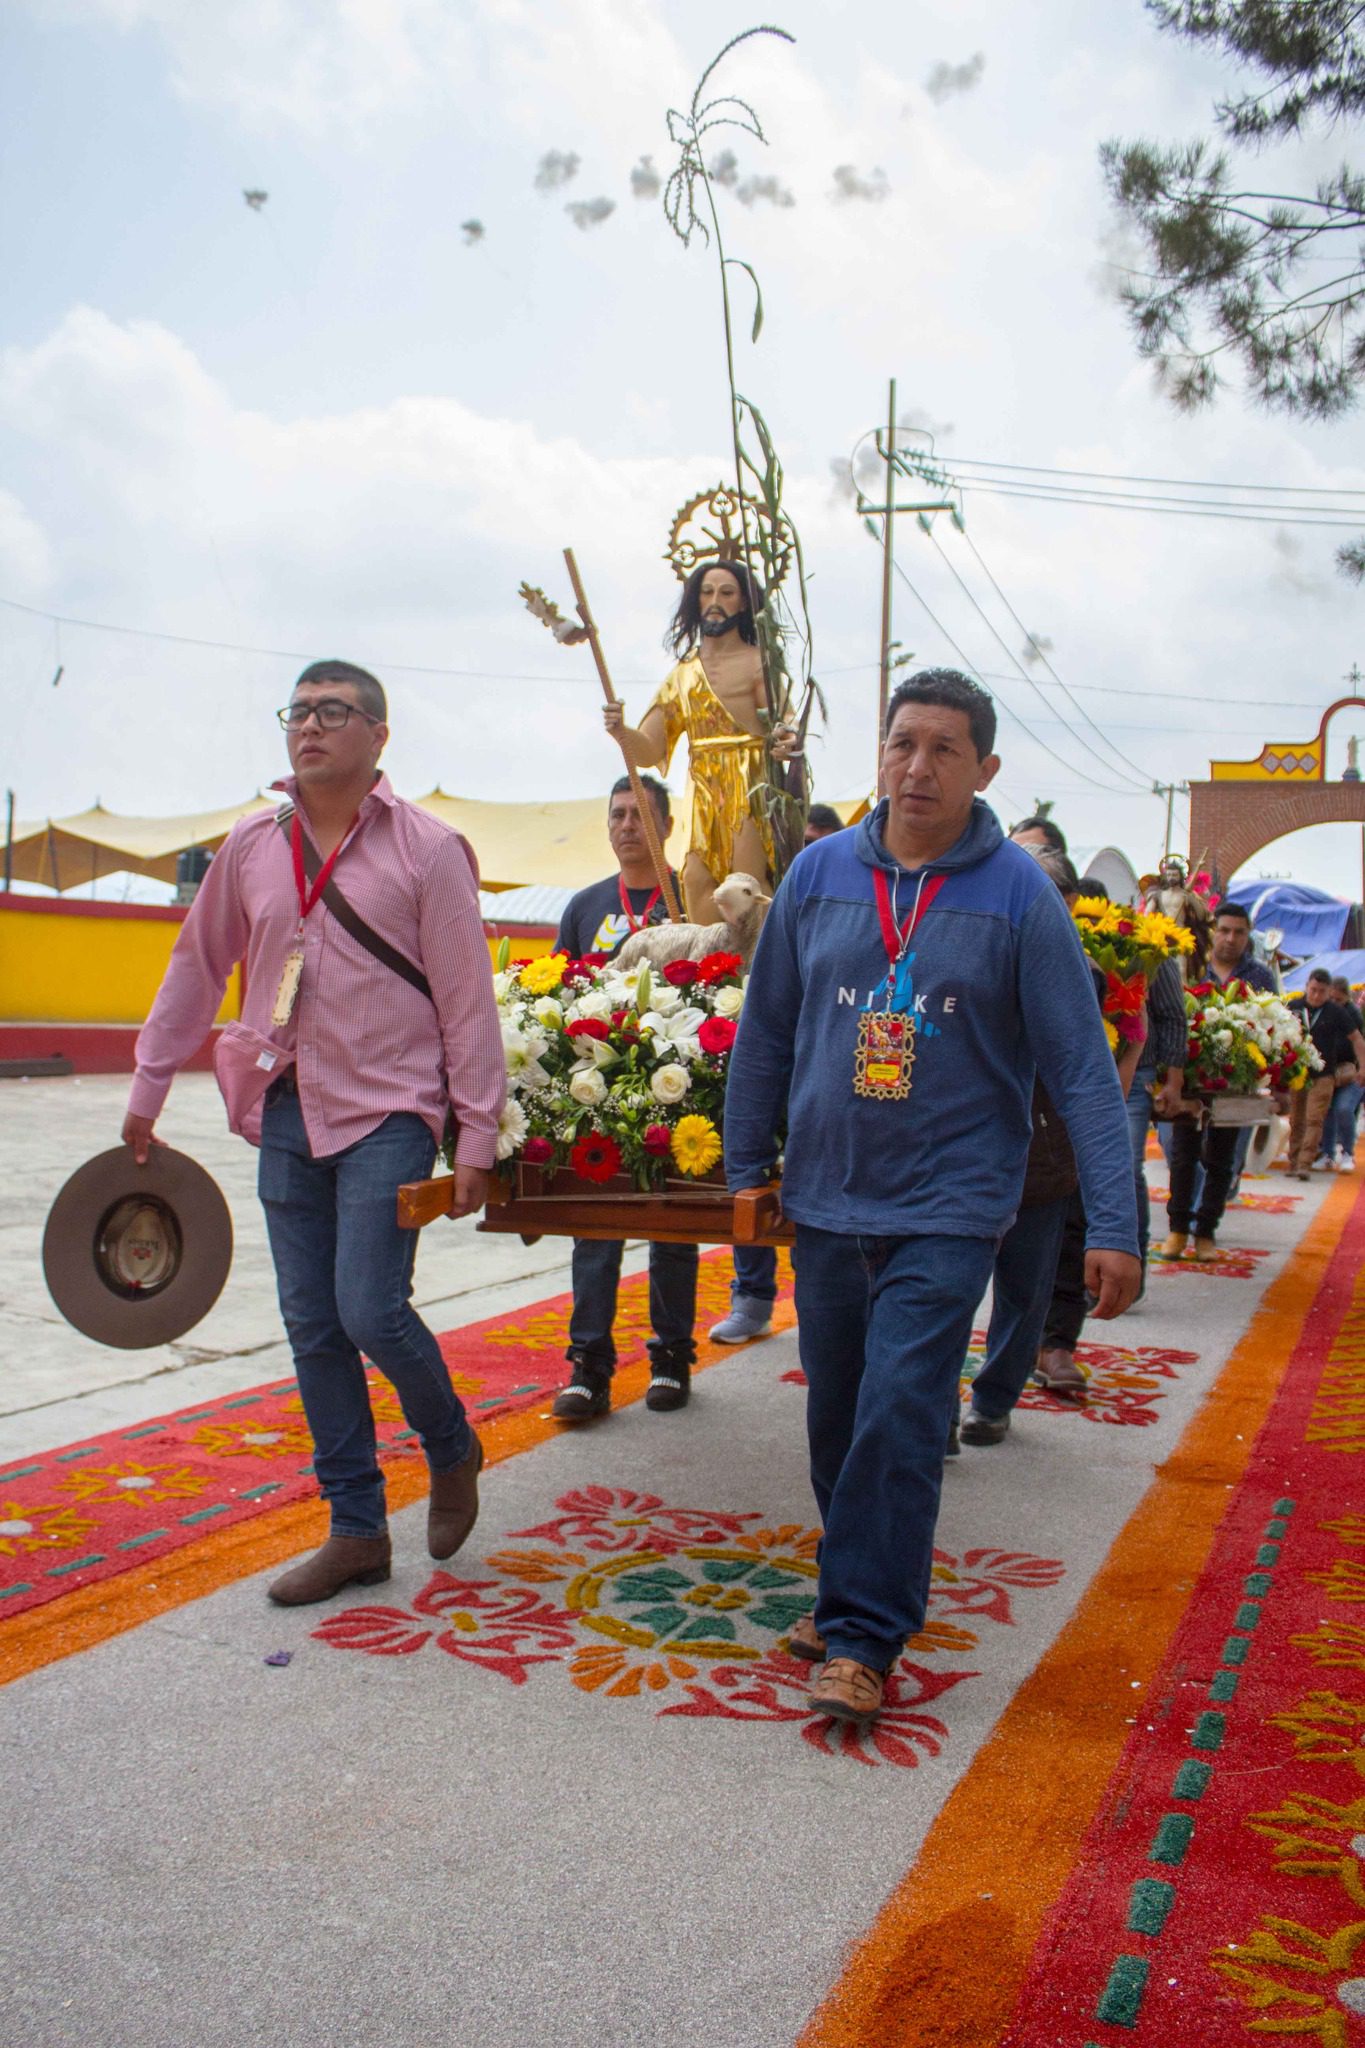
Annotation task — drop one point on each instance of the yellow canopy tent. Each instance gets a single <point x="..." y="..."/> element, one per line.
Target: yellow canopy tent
<point x="562" y="843"/>
<point x="65" y="853"/>
<point x="516" y="843"/>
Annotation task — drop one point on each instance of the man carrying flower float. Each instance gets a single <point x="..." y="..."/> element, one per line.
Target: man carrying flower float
<point x="905" y="1152"/>
<point x="617" y="1075"/>
<point x="1243" y="1041"/>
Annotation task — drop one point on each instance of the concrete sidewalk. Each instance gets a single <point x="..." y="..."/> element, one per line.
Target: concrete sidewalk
<point x="508" y="1804"/>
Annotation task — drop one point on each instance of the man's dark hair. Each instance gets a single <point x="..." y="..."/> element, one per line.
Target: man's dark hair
<point x="1341" y="986"/>
<point x="1053" y="835"/>
<point x="1233" y="910"/>
<point x="658" y="794"/>
<point x="1058" y="866"/>
<point x="949" y="687"/>
<point x="368" y="689"/>
<point x="1319" y="974"/>
<point x="825" y="818"/>
<point x="1092" y="886"/>
<point x="684" y="629"/>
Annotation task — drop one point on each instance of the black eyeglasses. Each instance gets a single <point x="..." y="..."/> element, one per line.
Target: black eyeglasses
<point x="331" y="714"/>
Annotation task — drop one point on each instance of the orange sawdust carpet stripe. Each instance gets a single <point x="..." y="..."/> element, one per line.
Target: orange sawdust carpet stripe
<point x="95" y="1613"/>
<point x="944" y="1961"/>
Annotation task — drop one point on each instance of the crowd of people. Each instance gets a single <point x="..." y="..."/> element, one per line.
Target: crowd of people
<point x="922" y="1047"/>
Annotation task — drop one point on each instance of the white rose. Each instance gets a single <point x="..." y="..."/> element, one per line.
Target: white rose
<point x="587" y="1086"/>
<point x="548" y="1012"/>
<point x="511" y="1128"/>
<point x="664" y="999"/>
<point x="596" y="1003"/>
<point x="729" y="1002"/>
<point x="670" y="1083"/>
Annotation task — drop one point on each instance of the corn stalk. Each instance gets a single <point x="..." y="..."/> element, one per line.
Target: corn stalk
<point x="690" y="207"/>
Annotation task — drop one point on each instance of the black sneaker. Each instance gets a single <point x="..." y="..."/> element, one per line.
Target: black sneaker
<point x="587" y="1395"/>
<point x="984" y="1429"/>
<point x="670" y="1376"/>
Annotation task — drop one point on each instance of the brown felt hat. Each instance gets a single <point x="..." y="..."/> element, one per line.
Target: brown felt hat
<point x="136" y="1255"/>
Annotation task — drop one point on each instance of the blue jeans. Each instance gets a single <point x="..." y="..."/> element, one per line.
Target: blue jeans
<point x="344" y="1270"/>
<point x="1339" y="1124"/>
<point x="596" y="1277"/>
<point x="1141" y="1117"/>
<point x="884" y="1324"/>
<point x="1021" y="1283"/>
<point x="755" y="1273"/>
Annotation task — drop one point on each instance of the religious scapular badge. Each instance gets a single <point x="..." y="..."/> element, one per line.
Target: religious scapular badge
<point x="885" y="1050"/>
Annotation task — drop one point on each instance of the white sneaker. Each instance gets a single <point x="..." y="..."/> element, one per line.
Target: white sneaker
<point x="1320" y="1165"/>
<point x="1343" y="1163"/>
<point x="748" y="1318"/>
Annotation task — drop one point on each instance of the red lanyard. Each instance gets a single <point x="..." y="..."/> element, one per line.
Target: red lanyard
<point x="637" y="924"/>
<point x="308" y="897"/>
<point x="897" y="941"/>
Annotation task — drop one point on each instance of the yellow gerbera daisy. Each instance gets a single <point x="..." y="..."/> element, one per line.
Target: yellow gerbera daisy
<point x="1112" y="1035"/>
<point x="696" y="1145"/>
<point x="540" y="977"/>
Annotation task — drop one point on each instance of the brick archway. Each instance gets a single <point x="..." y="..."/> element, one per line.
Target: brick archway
<point x="1235" y="814"/>
<point x="1231" y="821"/>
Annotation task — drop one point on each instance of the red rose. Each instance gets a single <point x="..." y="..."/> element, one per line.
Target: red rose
<point x="587" y="1027"/>
<point x="657" y="1139"/>
<point x="579" y="971"/>
<point x="719" y="967"/>
<point x="1126" y="928"/>
<point x="682" y="973"/>
<point x="537" y="1150"/>
<point x="717" y="1034"/>
<point x="595" y="1158"/>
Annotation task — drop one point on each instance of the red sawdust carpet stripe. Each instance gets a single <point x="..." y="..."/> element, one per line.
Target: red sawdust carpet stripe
<point x="945" y="1960"/>
<point x="88" y="1512"/>
<point x="94" y="1613"/>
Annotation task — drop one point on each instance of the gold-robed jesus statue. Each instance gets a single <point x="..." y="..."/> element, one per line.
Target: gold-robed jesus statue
<point x="716" y="696"/>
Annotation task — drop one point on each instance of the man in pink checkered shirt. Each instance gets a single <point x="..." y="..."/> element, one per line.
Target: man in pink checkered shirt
<point x="343" y="1070"/>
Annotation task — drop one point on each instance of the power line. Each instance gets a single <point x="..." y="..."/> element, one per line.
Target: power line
<point x="1175" y="508"/>
<point x="1115" y="476"/>
<point x="1113" y="789"/>
<point x="1129" y="767"/>
<point x="486" y="675"/>
<point x="1144" y="780"/>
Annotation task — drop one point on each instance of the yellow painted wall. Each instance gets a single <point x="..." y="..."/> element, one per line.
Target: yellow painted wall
<point x="63" y="968"/>
<point x="69" y="969"/>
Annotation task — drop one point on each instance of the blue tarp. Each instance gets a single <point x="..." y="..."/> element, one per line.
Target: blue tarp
<point x="1311" y="921"/>
<point x="1352" y="965"/>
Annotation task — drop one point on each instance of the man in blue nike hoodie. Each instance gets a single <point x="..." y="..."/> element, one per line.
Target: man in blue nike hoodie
<point x="911" y="976"/>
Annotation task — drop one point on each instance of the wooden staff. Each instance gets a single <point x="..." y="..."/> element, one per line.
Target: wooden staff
<point x="656" y="852"/>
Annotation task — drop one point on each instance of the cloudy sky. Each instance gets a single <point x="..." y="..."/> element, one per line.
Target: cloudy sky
<point x="459" y="335"/>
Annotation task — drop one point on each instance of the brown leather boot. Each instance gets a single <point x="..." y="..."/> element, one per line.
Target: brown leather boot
<point x="848" y="1691"/>
<point x="454" y="1505"/>
<point x="342" y="1561"/>
<point x="805" y="1640"/>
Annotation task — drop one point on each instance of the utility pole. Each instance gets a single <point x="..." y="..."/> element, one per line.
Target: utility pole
<point x="888" y="561"/>
<point x="1170" y="790"/>
<point x="939" y="496"/>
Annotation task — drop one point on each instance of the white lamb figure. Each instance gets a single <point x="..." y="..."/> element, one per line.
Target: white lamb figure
<point x="742" y="905"/>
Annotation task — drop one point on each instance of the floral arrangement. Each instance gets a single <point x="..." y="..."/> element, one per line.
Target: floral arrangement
<point x="613" y="1071"/>
<point x="1127" y="946"/>
<point x="1242" y="1038"/>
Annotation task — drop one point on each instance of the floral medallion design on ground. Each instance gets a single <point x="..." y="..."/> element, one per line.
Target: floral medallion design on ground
<point x="1124" y="1382"/>
<point x="636" y="1599"/>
